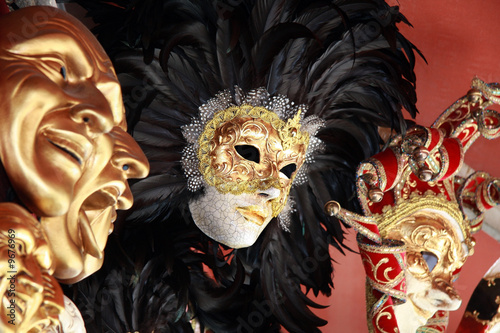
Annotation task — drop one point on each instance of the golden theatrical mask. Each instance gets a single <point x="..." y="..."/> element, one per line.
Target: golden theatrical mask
<point x="31" y="298"/>
<point x="78" y="238"/>
<point x="249" y="158"/>
<point x="64" y="146"/>
<point x="436" y="248"/>
<point x="59" y="93"/>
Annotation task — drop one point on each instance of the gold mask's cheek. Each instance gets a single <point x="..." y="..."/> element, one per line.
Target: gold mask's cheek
<point x="61" y="72"/>
<point x="435" y="250"/>
<point x="79" y="238"/>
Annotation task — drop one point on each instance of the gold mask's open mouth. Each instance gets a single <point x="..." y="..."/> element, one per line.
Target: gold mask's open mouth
<point x="103" y="198"/>
<point x="91" y="212"/>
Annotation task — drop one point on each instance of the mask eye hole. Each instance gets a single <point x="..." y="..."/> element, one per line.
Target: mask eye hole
<point x="430" y="258"/>
<point x="63" y="72"/>
<point x="289" y="169"/>
<point x="248" y="152"/>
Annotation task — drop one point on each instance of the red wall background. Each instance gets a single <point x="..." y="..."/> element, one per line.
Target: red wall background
<point x="460" y="39"/>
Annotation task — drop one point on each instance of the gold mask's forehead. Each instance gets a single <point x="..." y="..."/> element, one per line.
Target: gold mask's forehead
<point x="269" y="156"/>
<point x="435" y="235"/>
<point x="44" y="36"/>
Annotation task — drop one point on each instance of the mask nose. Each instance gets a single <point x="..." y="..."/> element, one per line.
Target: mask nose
<point x="128" y="156"/>
<point x="445" y="295"/>
<point x="130" y="161"/>
<point x="269" y="194"/>
<point x="96" y="121"/>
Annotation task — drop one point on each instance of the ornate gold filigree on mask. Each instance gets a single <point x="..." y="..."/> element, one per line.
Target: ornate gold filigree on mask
<point x="430" y="233"/>
<point x="272" y="150"/>
<point x="435" y="250"/>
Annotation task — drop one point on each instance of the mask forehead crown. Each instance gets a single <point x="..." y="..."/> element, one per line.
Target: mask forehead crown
<point x="39" y="34"/>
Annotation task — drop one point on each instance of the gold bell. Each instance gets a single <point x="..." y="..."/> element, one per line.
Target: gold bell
<point x="375" y="194"/>
<point x="425" y="174"/>
<point x="474" y="95"/>
<point x="369" y="178"/>
<point x="332" y="207"/>
<point x="420" y="154"/>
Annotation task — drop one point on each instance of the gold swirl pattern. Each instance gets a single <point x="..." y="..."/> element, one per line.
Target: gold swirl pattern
<point x="436" y="324"/>
<point x="384" y="265"/>
<point x="385" y="314"/>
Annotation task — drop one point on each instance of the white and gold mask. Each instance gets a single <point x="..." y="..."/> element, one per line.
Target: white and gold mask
<point x="248" y="157"/>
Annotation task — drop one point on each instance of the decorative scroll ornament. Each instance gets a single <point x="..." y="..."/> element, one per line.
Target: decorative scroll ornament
<point x="409" y="193"/>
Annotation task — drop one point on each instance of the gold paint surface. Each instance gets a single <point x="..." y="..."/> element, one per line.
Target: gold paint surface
<point x="432" y="234"/>
<point x="78" y="238"/>
<point x="59" y="93"/>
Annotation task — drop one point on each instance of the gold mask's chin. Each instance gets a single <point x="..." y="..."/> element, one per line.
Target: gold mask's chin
<point x="102" y="226"/>
<point x="76" y="258"/>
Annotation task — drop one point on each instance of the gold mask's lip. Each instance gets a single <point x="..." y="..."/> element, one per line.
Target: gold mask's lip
<point x="98" y="205"/>
<point x="75" y="145"/>
<point x="102" y="198"/>
<point x="255" y="214"/>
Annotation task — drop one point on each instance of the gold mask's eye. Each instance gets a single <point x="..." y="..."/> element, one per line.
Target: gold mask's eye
<point x="430" y="258"/>
<point x="289" y="169"/>
<point x="248" y="152"/>
<point x="63" y="72"/>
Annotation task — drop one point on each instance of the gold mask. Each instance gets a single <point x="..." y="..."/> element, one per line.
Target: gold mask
<point x="59" y="93"/>
<point x="31" y="298"/>
<point x="63" y="140"/>
<point x="78" y="238"/>
<point x="245" y="157"/>
<point x="245" y="149"/>
<point x="436" y="248"/>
